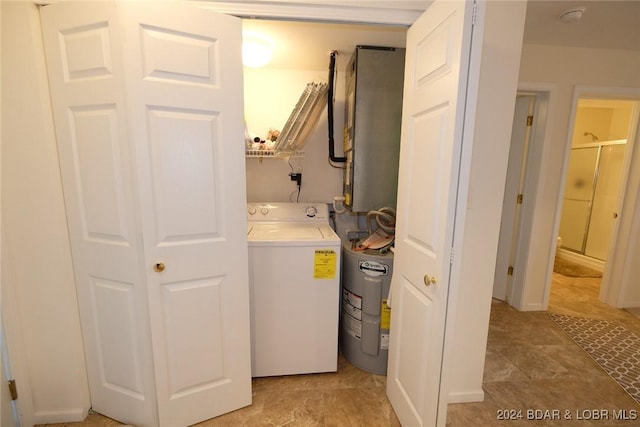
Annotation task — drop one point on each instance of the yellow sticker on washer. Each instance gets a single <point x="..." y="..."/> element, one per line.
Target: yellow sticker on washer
<point x="385" y="315"/>
<point x="324" y="264"/>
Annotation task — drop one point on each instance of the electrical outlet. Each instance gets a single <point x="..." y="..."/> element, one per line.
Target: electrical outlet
<point x="297" y="177"/>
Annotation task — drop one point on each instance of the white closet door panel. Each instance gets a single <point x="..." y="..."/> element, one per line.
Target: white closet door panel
<point x="98" y="166"/>
<point x="428" y="168"/>
<point x="114" y="313"/>
<point x="192" y="370"/>
<point x="83" y="51"/>
<point x="186" y="94"/>
<point x="412" y="322"/>
<point x="184" y="174"/>
<point x="438" y="46"/>
<point x="179" y="57"/>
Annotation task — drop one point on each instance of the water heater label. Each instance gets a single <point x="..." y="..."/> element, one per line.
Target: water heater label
<point x="385" y="315"/>
<point x="324" y="264"/>
<point x="373" y="268"/>
<point x="352" y="326"/>
<point x="352" y="314"/>
<point x="384" y="341"/>
<point x="352" y="299"/>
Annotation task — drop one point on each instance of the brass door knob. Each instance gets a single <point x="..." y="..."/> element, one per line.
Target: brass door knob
<point x="429" y="280"/>
<point x="158" y="267"/>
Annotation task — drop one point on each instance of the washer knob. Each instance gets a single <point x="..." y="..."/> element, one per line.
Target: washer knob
<point x="264" y="211"/>
<point x="252" y="210"/>
<point x="311" y="211"/>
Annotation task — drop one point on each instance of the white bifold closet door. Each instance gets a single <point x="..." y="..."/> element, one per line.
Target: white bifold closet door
<point x="147" y="100"/>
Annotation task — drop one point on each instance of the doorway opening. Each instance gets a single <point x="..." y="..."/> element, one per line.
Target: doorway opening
<point x="595" y="181"/>
<point x="596" y="162"/>
<point x="523" y="170"/>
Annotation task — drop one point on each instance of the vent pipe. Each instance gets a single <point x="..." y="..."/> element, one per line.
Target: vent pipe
<point x="330" y="102"/>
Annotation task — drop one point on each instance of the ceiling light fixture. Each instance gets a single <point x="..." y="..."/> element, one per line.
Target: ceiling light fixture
<point x="572" y="15"/>
<point x="256" y="51"/>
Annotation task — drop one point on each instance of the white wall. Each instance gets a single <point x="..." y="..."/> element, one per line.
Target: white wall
<point x="594" y="120"/>
<point x="631" y="294"/>
<point x="37" y="284"/>
<point x="607" y="122"/>
<point x="495" y="102"/>
<point x="270" y="95"/>
<point x="620" y="122"/>
<point x="562" y="68"/>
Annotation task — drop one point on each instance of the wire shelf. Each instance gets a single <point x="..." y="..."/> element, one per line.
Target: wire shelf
<point x="275" y="154"/>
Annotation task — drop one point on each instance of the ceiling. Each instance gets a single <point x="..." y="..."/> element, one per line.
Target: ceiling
<point x="605" y="24"/>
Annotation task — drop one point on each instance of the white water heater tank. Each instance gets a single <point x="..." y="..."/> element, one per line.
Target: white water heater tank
<point x="365" y="315"/>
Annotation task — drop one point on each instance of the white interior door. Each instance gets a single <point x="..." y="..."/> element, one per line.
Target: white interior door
<point x="509" y="226"/>
<point x="187" y="106"/>
<point x="86" y="77"/>
<point x="153" y="173"/>
<point x="438" y="47"/>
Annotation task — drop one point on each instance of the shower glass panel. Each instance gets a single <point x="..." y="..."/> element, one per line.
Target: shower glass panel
<point x="593" y="182"/>
<point x="604" y="200"/>
<point x="577" y="197"/>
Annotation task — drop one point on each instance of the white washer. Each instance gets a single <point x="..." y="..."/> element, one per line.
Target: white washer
<point x="294" y="279"/>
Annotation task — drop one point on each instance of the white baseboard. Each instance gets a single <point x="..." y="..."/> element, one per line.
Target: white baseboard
<point x="533" y="306"/>
<point x="62" y="416"/>
<point x="466" y="396"/>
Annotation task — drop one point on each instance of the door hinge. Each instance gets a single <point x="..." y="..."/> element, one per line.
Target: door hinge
<point x="13" y="389"/>
<point x="529" y="120"/>
<point x="451" y="256"/>
<point x="520" y="197"/>
<point x="510" y="271"/>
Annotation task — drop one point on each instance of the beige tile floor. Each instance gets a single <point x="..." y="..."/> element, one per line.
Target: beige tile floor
<point x="530" y="365"/>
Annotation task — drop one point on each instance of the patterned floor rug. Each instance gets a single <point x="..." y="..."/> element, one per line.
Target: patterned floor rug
<point x="612" y="346"/>
<point x="572" y="269"/>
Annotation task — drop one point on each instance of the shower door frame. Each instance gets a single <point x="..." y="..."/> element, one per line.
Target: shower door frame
<point x="594" y="187"/>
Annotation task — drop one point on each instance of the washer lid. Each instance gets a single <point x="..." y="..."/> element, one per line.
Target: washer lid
<point x="291" y="232"/>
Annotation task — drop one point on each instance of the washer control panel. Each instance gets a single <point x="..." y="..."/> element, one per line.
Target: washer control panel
<point x="288" y="212"/>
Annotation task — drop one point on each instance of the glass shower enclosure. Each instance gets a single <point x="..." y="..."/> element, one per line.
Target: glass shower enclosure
<point x="593" y="183"/>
